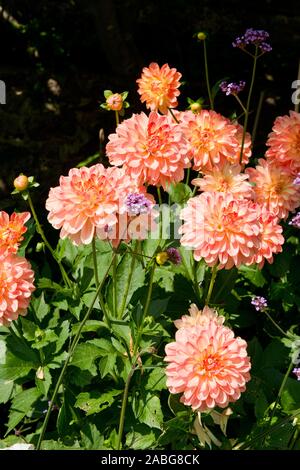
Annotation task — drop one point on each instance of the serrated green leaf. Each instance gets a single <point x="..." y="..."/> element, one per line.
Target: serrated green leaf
<point x="85" y="356"/>
<point x="179" y="192"/>
<point x="156" y="379"/>
<point x="149" y="411"/>
<point x="126" y="282"/>
<point x="29" y="328"/>
<point x="290" y="397"/>
<point x="90" y="437"/>
<point x="95" y="402"/>
<point x="164" y="277"/>
<point x="142" y="437"/>
<point x="14" y="368"/>
<point x="40" y="307"/>
<point x="253" y="274"/>
<point x="107" y="364"/>
<point x="21" y="405"/>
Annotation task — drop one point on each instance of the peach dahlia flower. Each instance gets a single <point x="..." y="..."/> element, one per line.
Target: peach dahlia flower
<point x="274" y="187"/>
<point x="226" y="178"/>
<point x="228" y="231"/>
<point x="284" y="141"/>
<point x="212" y="139"/>
<point x="12" y="229"/>
<point x="151" y="149"/>
<point x="158" y="87"/>
<point x="208" y="365"/>
<point x="198" y="317"/>
<point x="87" y="201"/>
<point x="16" y="287"/>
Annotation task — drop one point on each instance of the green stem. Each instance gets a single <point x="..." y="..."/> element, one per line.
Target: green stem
<point x="188" y="174"/>
<point x="248" y="104"/>
<point x="207" y="76"/>
<point x="124" y="405"/>
<point x="132" y="266"/>
<point x="196" y="283"/>
<point x="117" y="118"/>
<point x="257" y="116"/>
<point x="47" y="244"/>
<point x="211" y="284"/>
<point x="135" y="358"/>
<point x="114" y="279"/>
<point x="278" y="396"/>
<point x="173" y="115"/>
<point x="275" y="324"/>
<point x="101" y="300"/>
<point x="240" y="103"/>
<point x="69" y="357"/>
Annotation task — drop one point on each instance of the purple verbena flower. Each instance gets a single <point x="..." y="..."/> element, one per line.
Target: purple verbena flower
<point x="257" y="37"/>
<point x="174" y="255"/>
<point x="232" y="88"/>
<point x="295" y="222"/>
<point x="260" y="303"/>
<point x="137" y="204"/>
<point x="296" y="371"/>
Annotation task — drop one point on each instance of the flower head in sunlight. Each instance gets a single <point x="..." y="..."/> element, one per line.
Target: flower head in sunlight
<point x="211" y="138"/>
<point x="151" y="149"/>
<point x="284" y="141"/>
<point x="16" y="287"/>
<point x="275" y="188"/>
<point x="198" y="317"/>
<point x="87" y="201"/>
<point x="222" y="229"/>
<point x="270" y="238"/>
<point x="208" y="365"/>
<point x="158" y="87"/>
<point x="12" y="229"/>
<point x="226" y="178"/>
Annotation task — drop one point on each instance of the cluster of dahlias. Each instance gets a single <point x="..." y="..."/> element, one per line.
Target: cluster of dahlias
<point x="235" y="220"/>
<point x="16" y="275"/>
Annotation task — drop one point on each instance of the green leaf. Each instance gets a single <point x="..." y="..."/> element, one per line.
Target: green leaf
<point x="275" y="355"/>
<point x="95" y="402"/>
<point x="14" y="368"/>
<point x="156" y="380"/>
<point x="179" y="192"/>
<point x="261" y="405"/>
<point x="164" y="277"/>
<point x="63" y="335"/>
<point x="6" y="386"/>
<point x="254" y="275"/>
<point x="290" y="397"/>
<point x="126" y="282"/>
<point x="85" y="356"/>
<point x="27" y="237"/>
<point x="107" y="364"/>
<point x="40" y="307"/>
<point x="90" y="437"/>
<point x="107" y="93"/>
<point x="149" y="411"/>
<point x="29" y="328"/>
<point x="19" y="348"/>
<point x="142" y="437"/>
<point x="21" y="405"/>
<point x="44" y="384"/>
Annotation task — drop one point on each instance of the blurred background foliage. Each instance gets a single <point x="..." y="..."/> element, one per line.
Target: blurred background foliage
<point x="58" y="57"/>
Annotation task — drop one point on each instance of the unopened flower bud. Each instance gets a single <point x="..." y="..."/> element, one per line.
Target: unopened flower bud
<point x="196" y="107"/>
<point x="201" y="36"/>
<point x="21" y="183"/>
<point x="115" y="102"/>
<point x="162" y="257"/>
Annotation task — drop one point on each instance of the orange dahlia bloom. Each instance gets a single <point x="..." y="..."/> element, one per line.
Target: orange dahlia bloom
<point x="151" y="149"/>
<point x="198" y="317"/>
<point x="158" y="87"/>
<point x="208" y="365"/>
<point x="12" y="229"/>
<point x="212" y="139"/>
<point x="16" y="287"/>
<point x="270" y="239"/>
<point x="226" y="178"/>
<point x="274" y="187"/>
<point x="284" y="141"/>
<point x="88" y="201"/>
<point x="221" y="229"/>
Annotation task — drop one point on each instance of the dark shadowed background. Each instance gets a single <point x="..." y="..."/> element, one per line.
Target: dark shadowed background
<point x="86" y="46"/>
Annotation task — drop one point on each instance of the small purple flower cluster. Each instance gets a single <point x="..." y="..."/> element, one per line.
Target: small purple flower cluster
<point x="174" y="255"/>
<point x="137" y="204"/>
<point x="295" y="222"/>
<point x="232" y="88"/>
<point x="258" y="37"/>
<point x="260" y="303"/>
<point x="296" y="371"/>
